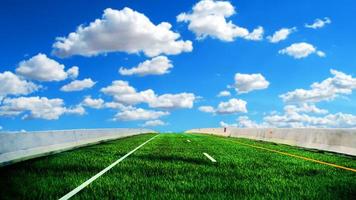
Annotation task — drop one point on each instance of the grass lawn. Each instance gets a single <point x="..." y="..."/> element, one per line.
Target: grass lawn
<point x="170" y="167"/>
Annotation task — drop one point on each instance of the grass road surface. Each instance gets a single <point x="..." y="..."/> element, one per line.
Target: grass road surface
<point x="173" y="166"/>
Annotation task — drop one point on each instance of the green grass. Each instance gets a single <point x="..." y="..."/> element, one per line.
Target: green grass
<point x="169" y="167"/>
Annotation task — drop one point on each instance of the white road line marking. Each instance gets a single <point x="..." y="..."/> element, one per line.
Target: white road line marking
<point x="188" y="140"/>
<point x="86" y="183"/>
<point x="210" y="158"/>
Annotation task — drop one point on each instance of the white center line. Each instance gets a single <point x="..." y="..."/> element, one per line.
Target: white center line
<point x="188" y="140"/>
<point x="86" y="183"/>
<point x="210" y="158"/>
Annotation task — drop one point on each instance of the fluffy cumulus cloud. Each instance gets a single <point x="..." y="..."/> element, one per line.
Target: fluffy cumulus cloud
<point x="328" y="89"/>
<point x="207" y="109"/>
<point x="226" y="107"/>
<point x="242" y="122"/>
<point x="168" y="101"/>
<point x="156" y="122"/>
<point x="93" y="103"/>
<point x="245" y="83"/>
<point x="304" y="108"/>
<point x="139" y="114"/>
<point x="156" y="66"/>
<point x="281" y="34"/>
<point x="256" y="34"/>
<point x="224" y="93"/>
<point x="42" y="68"/>
<point x="73" y="72"/>
<point x="78" y="85"/>
<point x="36" y="107"/>
<point x="232" y="106"/>
<point x="11" y="84"/>
<point x="76" y="110"/>
<point x="116" y="106"/>
<point x="301" y="50"/>
<point x="123" y="30"/>
<point x="301" y="110"/>
<point x="124" y="93"/>
<point x="209" y="18"/>
<point x="319" y="23"/>
<point x="245" y="122"/>
<point x="296" y="119"/>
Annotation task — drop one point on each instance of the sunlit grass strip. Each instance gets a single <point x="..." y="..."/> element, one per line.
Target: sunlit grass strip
<point x="86" y="183"/>
<point x="169" y="167"/>
<point x="297" y="156"/>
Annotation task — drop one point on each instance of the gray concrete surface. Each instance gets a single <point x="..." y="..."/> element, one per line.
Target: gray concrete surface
<point x="18" y="146"/>
<point x="334" y="140"/>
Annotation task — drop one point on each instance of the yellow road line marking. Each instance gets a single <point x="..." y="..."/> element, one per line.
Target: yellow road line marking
<point x="296" y="156"/>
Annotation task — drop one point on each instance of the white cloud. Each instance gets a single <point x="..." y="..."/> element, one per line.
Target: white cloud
<point x="301" y="50"/>
<point x="118" y="88"/>
<point x="78" y="85"/>
<point x="296" y="119"/>
<point x="223" y="124"/>
<point x="224" y="93"/>
<point x="304" y="113"/>
<point x="245" y="83"/>
<point x="245" y="122"/>
<point x="117" y="106"/>
<point x="320" y="53"/>
<point x="304" y="108"/>
<point x="126" y="94"/>
<point x="156" y="122"/>
<point x="328" y="89"/>
<point x="77" y="110"/>
<point x="73" y="72"/>
<point x="122" y="30"/>
<point x="232" y="106"/>
<point x="207" y="109"/>
<point x="36" y="107"/>
<point x="11" y="84"/>
<point x="139" y="114"/>
<point x="209" y="18"/>
<point x="169" y="101"/>
<point x="93" y="103"/>
<point x="226" y="107"/>
<point x="281" y="34"/>
<point x="156" y="66"/>
<point x="319" y="23"/>
<point x="256" y="34"/>
<point x="341" y="120"/>
<point x="42" y="68"/>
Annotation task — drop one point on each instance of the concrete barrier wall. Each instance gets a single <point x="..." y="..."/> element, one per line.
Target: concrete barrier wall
<point x="18" y="146"/>
<point x="334" y="140"/>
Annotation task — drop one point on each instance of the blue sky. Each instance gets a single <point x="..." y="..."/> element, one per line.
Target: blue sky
<point x="180" y="66"/>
